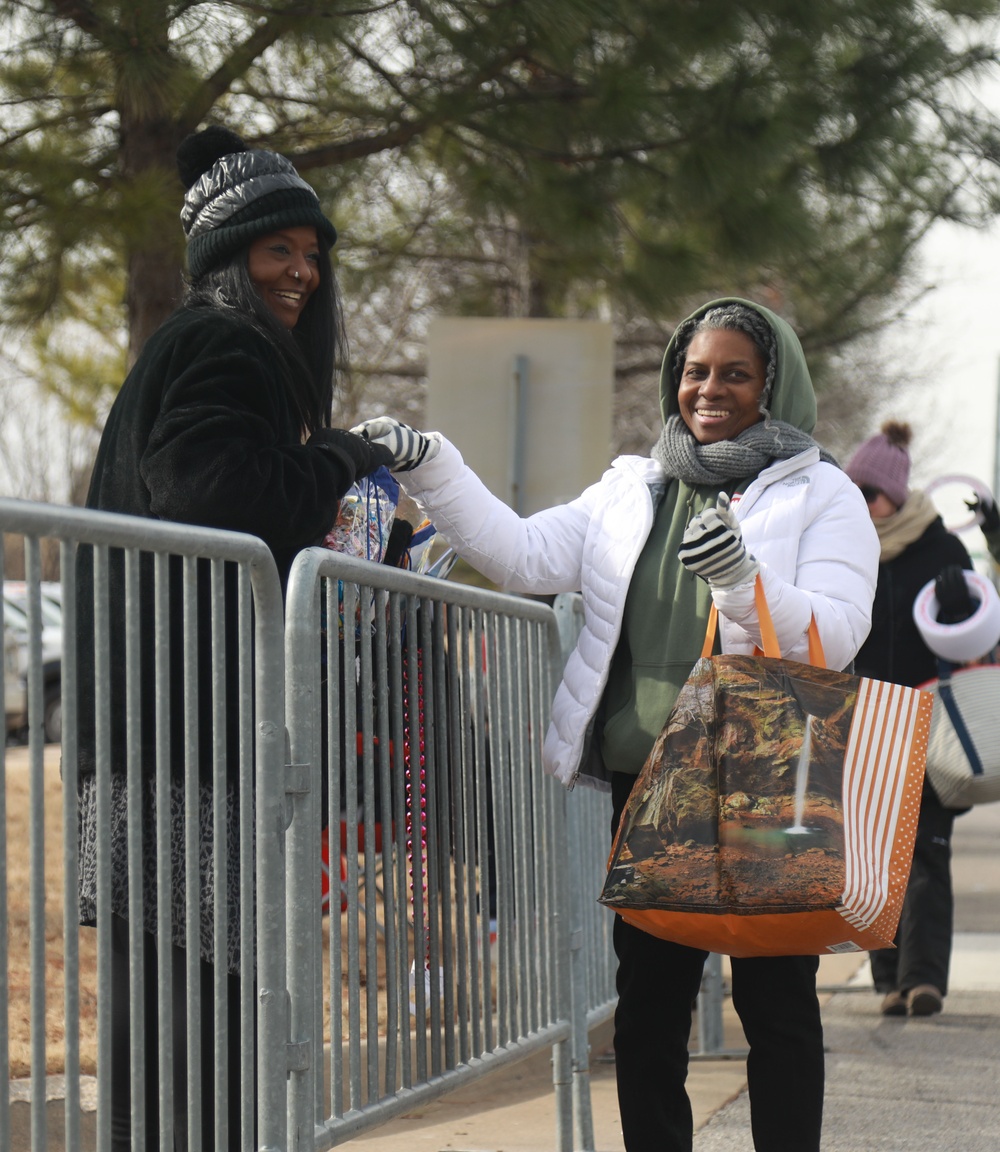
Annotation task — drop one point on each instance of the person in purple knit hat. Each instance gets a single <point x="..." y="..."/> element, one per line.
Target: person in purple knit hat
<point x="916" y="547"/>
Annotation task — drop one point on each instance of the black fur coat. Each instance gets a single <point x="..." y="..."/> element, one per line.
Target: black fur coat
<point x="202" y="432"/>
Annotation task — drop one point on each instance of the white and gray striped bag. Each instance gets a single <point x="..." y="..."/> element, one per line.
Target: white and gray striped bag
<point x="963" y="752"/>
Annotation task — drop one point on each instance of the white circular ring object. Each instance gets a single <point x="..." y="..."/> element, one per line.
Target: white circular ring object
<point x="977" y="486"/>
<point x="968" y="639"/>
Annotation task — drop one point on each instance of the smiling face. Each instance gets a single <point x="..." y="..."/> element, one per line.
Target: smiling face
<point x="721" y="385"/>
<point x="284" y="266"/>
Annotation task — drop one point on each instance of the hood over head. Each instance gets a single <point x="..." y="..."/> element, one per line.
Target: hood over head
<point x="791" y="397"/>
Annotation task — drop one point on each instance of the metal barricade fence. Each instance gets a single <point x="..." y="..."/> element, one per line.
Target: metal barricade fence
<point x="454" y="941"/>
<point x="417" y="710"/>
<point x="177" y="615"/>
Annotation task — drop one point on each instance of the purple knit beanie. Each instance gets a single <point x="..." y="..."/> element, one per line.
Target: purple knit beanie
<point x="883" y="462"/>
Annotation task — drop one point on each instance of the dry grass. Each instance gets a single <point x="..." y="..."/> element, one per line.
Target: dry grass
<point x="19" y="964"/>
<point x="18" y="910"/>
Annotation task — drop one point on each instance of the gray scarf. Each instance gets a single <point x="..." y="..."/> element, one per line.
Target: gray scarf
<point x="758" y="446"/>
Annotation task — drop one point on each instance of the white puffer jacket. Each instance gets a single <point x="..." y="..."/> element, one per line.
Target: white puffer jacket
<point x="803" y="519"/>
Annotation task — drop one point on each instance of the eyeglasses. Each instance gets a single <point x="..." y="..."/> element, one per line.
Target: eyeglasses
<point x="870" y="493"/>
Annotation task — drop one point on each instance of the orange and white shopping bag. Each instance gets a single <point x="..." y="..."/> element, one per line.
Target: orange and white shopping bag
<point x="777" y="811"/>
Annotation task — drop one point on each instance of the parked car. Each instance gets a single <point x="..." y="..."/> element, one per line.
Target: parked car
<point x="15" y="694"/>
<point x="15" y="595"/>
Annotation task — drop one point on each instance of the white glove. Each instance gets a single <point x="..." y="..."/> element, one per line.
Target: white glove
<point x="713" y="547"/>
<point x="409" y="447"/>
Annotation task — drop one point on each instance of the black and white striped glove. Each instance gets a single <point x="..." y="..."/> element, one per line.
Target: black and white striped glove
<point x="712" y="547"/>
<point x="409" y="447"/>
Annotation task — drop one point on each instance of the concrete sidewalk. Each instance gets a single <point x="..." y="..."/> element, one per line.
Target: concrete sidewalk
<point x="514" y="1111"/>
<point x="893" y="1085"/>
<point x="903" y="1084"/>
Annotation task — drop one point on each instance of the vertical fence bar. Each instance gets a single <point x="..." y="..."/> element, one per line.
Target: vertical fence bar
<point x="36" y="843"/>
<point x="134" y="784"/>
<point x="269" y="797"/>
<point x="364" y="840"/>
<point x="468" y="726"/>
<point x="398" y="1000"/>
<point x="192" y="846"/>
<point x="71" y="894"/>
<point x="710" y="1032"/>
<point x="247" y="852"/>
<point x="332" y="704"/>
<point x="478" y="658"/>
<point x="584" y="948"/>
<point x="433" y="824"/>
<point x="303" y="705"/>
<point x="387" y="609"/>
<point x="220" y="858"/>
<point x="102" y="703"/>
<point x="164" y="879"/>
<point x="447" y="823"/>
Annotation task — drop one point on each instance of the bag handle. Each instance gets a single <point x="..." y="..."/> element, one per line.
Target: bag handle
<point x="945" y="668"/>
<point x="769" y="638"/>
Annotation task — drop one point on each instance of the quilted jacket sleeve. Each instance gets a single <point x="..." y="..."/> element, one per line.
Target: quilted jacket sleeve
<point x="541" y="554"/>
<point x="819" y="558"/>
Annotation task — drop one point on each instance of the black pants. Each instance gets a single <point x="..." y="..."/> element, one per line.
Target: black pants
<point x="923" y="939"/>
<point x="775" y="998"/>
<point x="121" y="1114"/>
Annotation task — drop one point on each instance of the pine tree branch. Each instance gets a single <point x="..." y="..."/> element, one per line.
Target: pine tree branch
<point x="236" y="64"/>
<point x="84" y="16"/>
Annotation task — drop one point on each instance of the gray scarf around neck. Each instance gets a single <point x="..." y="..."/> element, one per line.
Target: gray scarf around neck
<point x="757" y="447"/>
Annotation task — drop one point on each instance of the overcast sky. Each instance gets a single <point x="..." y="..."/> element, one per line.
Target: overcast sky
<point x="952" y="340"/>
<point x="955" y="333"/>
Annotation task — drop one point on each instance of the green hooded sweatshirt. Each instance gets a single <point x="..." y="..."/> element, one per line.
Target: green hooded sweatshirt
<point x="666" y="610"/>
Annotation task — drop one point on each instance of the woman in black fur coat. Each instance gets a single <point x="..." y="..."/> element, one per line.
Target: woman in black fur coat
<point x="224" y="421"/>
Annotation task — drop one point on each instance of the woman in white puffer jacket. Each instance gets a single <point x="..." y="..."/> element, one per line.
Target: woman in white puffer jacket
<point x="736" y="486"/>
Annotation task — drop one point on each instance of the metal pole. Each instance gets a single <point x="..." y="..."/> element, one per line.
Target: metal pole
<point x="519" y="433"/>
<point x="996" y="436"/>
<point x="710" y="1035"/>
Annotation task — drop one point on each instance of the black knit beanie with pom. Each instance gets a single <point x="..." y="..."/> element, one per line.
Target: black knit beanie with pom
<point x="235" y="194"/>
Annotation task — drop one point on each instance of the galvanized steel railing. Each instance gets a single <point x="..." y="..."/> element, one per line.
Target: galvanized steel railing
<point x="262" y="784"/>
<point x="439" y="694"/>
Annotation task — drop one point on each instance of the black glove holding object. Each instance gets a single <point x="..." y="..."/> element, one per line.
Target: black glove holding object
<point x="357" y="455"/>
<point x="955" y="603"/>
<point x="988" y="510"/>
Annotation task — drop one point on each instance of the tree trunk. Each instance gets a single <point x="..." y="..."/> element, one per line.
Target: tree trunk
<point x="149" y="135"/>
<point x="148" y="148"/>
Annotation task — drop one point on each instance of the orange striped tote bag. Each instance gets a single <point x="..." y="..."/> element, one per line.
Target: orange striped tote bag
<point x="777" y="811"/>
